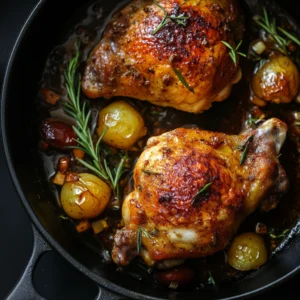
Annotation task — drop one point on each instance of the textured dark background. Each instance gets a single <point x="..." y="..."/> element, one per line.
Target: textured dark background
<point x="54" y="278"/>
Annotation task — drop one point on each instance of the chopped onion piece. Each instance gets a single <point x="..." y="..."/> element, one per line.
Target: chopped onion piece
<point x="259" y="47"/>
<point x="173" y="285"/>
<point x="99" y="226"/>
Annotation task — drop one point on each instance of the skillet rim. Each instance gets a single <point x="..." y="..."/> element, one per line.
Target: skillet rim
<point x="99" y="280"/>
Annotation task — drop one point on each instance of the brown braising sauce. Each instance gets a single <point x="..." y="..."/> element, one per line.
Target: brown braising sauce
<point x="229" y="116"/>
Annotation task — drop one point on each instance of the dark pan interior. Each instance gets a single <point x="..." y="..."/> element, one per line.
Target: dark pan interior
<point x="50" y="25"/>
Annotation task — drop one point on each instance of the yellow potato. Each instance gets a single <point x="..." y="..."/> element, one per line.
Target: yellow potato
<point x="123" y="123"/>
<point x="85" y="198"/>
<point x="276" y="80"/>
<point x="247" y="252"/>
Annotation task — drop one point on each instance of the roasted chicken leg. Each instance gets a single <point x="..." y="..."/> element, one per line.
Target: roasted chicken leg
<point x="168" y="52"/>
<point x="193" y="188"/>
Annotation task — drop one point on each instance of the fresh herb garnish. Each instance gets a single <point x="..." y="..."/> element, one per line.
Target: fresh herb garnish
<point x="179" y="19"/>
<point x="254" y="121"/>
<point x="79" y="112"/>
<point x="271" y="28"/>
<point x="280" y="235"/>
<point x="246" y="149"/>
<point x="148" y="172"/>
<point x="142" y="231"/>
<point x="202" y="190"/>
<point x="290" y="36"/>
<point x="211" y="280"/>
<point x="234" y="51"/>
<point x="139" y="240"/>
<point x="181" y="78"/>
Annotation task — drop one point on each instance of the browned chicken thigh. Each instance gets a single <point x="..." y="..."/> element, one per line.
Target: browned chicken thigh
<point x="193" y="188"/>
<point x="168" y="52"/>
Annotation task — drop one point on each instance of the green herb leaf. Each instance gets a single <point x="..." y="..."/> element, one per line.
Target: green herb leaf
<point x="211" y="280"/>
<point x="280" y="235"/>
<point x="179" y="19"/>
<point x="148" y="172"/>
<point x="79" y="112"/>
<point x="181" y="78"/>
<point x="252" y="121"/>
<point x="140" y="232"/>
<point x="246" y="150"/>
<point x="139" y="240"/>
<point x="146" y="233"/>
<point x="202" y="190"/>
<point x="233" y="52"/>
<point x="272" y="29"/>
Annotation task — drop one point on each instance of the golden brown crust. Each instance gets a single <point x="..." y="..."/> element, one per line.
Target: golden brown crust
<point x="131" y="61"/>
<point x="177" y="165"/>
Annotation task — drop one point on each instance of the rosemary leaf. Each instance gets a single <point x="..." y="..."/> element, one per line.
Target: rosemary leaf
<point x="179" y="19"/>
<point x="181" y="78"/>
<point x="139" y="240"/>
<point x="85" y="142"/>
<point x="246" y="150"/>
<point x="146" y="233"/>
<point x="161" y="25"/>
<point x="273" y="30"/>
<point x="148" y="172"/>
<point x="233" y="52"/>
<point x="289" y="35"/>
<point x="280" y="235"/>
<point x="202" y="190"/>
<point x="211" y="280"/>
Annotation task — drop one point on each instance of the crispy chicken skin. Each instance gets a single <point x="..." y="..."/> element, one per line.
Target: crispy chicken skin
<point x="176" y="222"/>
<point x="131" y="61"/>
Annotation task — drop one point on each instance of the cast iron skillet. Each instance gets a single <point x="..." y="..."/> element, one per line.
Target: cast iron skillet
<point x="47" y="26"/>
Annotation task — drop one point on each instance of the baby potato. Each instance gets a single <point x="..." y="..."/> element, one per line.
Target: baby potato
<point x="85" y="198"/>
<point x="247" y="252"/>
<point x="276" y="80"/>
<point x="123" y="123"/>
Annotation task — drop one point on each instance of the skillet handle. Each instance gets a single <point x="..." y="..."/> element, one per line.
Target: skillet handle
<point x="25" y="289"/>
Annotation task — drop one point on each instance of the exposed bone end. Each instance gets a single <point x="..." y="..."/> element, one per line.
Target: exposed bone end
<point x="274" y="131"/>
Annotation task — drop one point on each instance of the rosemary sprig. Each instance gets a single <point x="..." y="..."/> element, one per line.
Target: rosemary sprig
<point x="202" y="190"/>
<point x="280" y="235"/>
<point x="290" y="36"/>
<point x="139" y="240"/>
<point x="181" y="78"/>
<point x="246" y="150"/>
<point x="140" y="233"/>
<point x="271" y="28"/>
<point x="179" y="19"/>
<point x="234" y="51"/>
<point x="79" y="112"/>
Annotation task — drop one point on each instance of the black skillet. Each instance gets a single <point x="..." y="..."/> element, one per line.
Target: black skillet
<point x="48" y="25"/>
